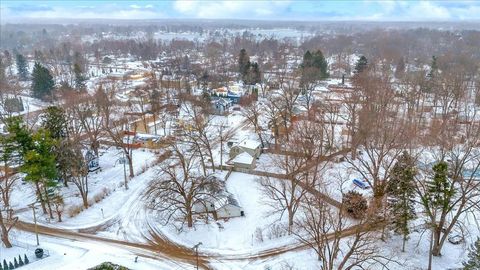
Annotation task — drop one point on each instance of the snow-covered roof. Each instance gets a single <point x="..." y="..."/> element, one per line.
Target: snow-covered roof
<point x="243" y="158"/>
<point x="250" y="144"/>
<point x="144" y="137"/>
<point x="225" y="199"/>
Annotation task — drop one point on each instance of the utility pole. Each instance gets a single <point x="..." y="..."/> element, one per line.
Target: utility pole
<point x="196" y="251"/>
<point x="32" y="205"/>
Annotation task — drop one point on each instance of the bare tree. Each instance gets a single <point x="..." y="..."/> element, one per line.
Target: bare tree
<point x="301" y="167"/>
<point x="253" y="114"/>
<point x="198" y="130"/>
<point x="337" y="246"/>
<point x="180" y="186"/>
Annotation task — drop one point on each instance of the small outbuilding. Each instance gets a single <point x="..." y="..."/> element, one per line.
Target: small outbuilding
<point x="244" y="160"/>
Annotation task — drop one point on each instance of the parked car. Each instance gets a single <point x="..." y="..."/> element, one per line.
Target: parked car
<point x="361" y="184"/>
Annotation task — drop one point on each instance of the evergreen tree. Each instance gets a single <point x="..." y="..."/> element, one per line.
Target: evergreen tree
<point x="361" y="65"/>
<point x="253" y="74"/>
<point x="20" y="261"/>
<point x="40" y="166"/>
<point x="5" y="265"/>
<point x="10" y="265"/>
<point x="243" y="63"/>
<point x="25" y="258"/>
<point x="80" y="79"/>
<point x="439" y="190"/>
<point x="314" y="67"/>
<point x="19" y="134"/>
<point x="473" y="262"/>
<point x="42" y="82"/>
<point x="433" y="67"/>
<point x="55" y="121"/>
<point x="401" y="187"/>
<point x="22" y="67"/>
<point x="436" y="199"/>
<point x="15" y="263"/>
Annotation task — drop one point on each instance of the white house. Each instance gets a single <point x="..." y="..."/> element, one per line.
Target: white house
<point x="244" y="160"/>
<point x="252" y="147"/>
<point x="225" y="206"/>
<point x="230" y="209"/>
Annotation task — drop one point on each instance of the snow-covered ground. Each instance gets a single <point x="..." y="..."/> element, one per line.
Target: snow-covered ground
<point x="67" y="254"/>
<point x="235" y="235"/>
<point x="110" y="179"/>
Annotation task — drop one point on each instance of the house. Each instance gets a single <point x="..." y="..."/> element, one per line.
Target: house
<point x="221" y="106"/>
<point x="230" y="208"/>
<point x="252" y="147"/>
<point x="148" y="141"/>
<point x="220" y="202"/>
<point x="244" y="160"/>
<point x="223" y="207"/>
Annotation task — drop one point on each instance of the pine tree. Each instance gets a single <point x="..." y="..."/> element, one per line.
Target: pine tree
<point x="40" y="166"/>
<point x="5" y="265"/>
<point x="42" y="82"/>
<point x="55" y="121"/>
<point x="439" y="189"/>
<point x="401" y="187"/>
<point x="253" y="74"/>
<point x="436" y="199"/>
<point x="314" y="67"/>
<point x="79" y="77"/>
<point x="15" y="263"/>
<point x="433" y="67"/>
<point x="361" y="65"/>
<point x="10" y="265"/>
<point x="25" y="258"/>
<point x="20" y="261"/>
<point x="473" y="262"/>
<point x="243" y="63"/>
<point x="19" y="134"/>
<point x="22" y="67"/>
<point x="320" y="63"/>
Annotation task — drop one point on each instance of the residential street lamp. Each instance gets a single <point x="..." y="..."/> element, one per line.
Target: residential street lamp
<point x="32" y="205"/>
<point x="123" y="160"/>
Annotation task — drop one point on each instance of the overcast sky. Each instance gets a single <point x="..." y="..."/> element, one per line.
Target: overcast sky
<point x="371" y="10"/>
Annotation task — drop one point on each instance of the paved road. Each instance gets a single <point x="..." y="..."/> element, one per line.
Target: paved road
<point x="159" y="247"/>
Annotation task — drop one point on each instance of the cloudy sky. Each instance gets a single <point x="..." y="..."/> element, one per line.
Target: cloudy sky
<point x="393" y="10"/>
